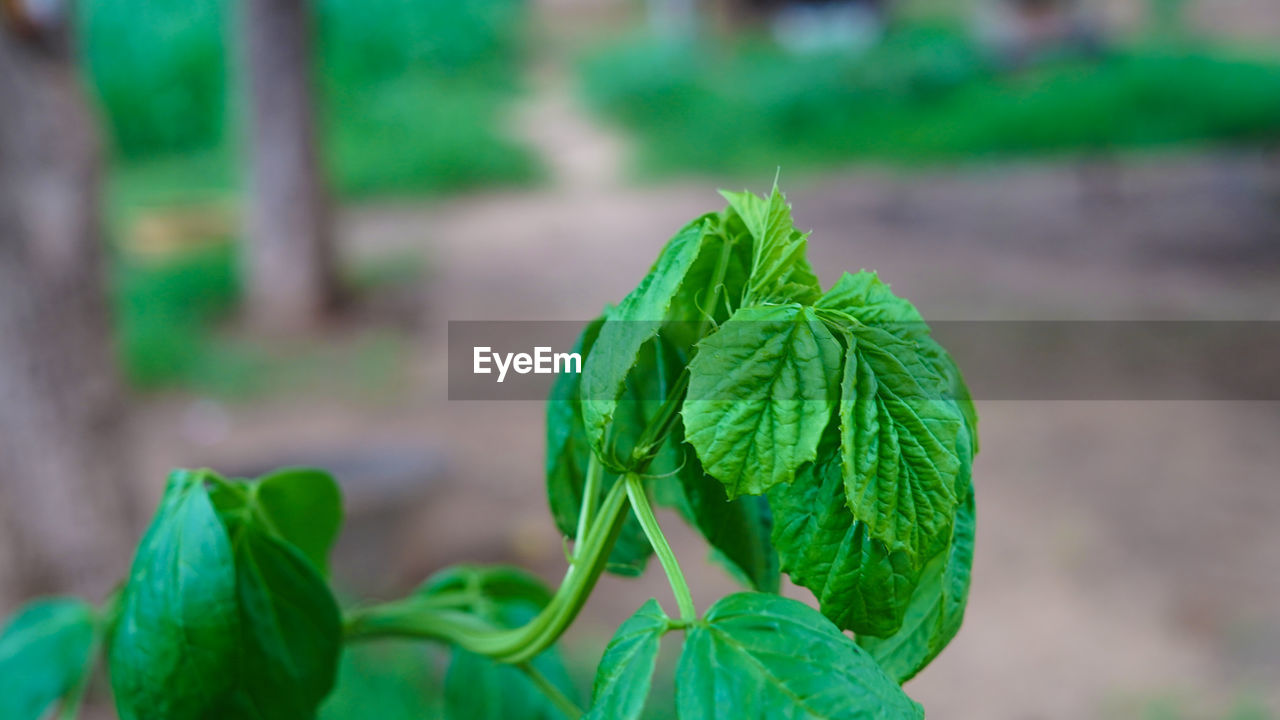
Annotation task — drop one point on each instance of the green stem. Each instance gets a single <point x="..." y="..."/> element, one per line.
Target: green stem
<point x="562" y="702"/>
<point x="717" y="280"/>
<point x="648" y="521"/>
<point x="579" y="581"/>
<point x="655" y="434"/>
<point x="415" y="618"/>
<point x="590" y="488"/>
<point x="598" y="530"/>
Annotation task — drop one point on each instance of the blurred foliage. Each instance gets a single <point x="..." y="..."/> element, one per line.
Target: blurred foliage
<point x="167" y="316"/>
<point x="419" y="133"/>
<point x="414" y="92"/>
<point x="160" y="70"/>
<point x="387" y="681"/>
<point x="926" y="93"/>
<point x="164" y="311"/>
<point x="411" y="92"/>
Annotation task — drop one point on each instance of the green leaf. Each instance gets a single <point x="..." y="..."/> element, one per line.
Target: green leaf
<point x="290" y="628"/>
<point x="221" y="617"/>
<point x="738" y="531"/>
<point x="44" y="655"/>
<point x="906" y="455"/>
<point x="779" y="270"/>
<point x="174" y="647"/>
<point x="303" y="506"/>
<point x="569" y="453"/>
<point x="634" y="322"/>
<point x="715" y="284"/>
<point x="388" y="680"/>
<point x="766" y="656"/>
<point x="936" y="610"/>
<point x="870" y="301"/>
<point x="477" y="688"/>
<point x="626" y="670"/>
<point x="567" y="448"/>
<point x="761" y="391"/>
<point x="860" y="585"/>
<point x="900" y="436"/>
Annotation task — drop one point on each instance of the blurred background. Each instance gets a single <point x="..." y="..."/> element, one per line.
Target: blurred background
<point x="232" y="234"/>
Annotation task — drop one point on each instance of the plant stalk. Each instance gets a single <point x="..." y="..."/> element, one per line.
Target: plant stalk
<point x="590" y="488"/>
<point x="670" y="565"/>
<point x="425" y="619"/>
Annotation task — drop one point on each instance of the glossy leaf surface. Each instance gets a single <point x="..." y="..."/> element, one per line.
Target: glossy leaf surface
<point x="626" y="670"/>
<point x="174" y="647"/>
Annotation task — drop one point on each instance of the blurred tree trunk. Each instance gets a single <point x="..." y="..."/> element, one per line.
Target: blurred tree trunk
<point x="64" y="500"/>
<point x="289" y="255"/>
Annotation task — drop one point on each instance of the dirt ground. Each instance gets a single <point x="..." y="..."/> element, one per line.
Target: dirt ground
<point x="1128" y="553"/>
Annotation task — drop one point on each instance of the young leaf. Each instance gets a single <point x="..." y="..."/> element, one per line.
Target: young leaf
<point x="174" y="647"/>
<point x="44" y="654"/>
<point x="629" y="326"/>
<point x="761" y="390"/>
<point x="290" y="628"/>
<point x="303" y="506"/>
<point x="715" y="285"/>
<point x="766" y="656"/>
<point x="626" y="670"/>
<point x="864" y="297"/>
<point x="899" y="441"/>
<point x="936" y="609"/>
<point x="860" y="585"/>
<point x="779" y="270"/>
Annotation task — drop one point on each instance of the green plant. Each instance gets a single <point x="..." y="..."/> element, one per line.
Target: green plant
<point x="824" y="435"/>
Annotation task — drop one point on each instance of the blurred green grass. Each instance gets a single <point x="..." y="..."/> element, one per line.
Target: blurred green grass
<point x="164" y="313"/>
<point x="415" y="90"/>
<point x="171" y="319"/>
<point x="926" y="94"/>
